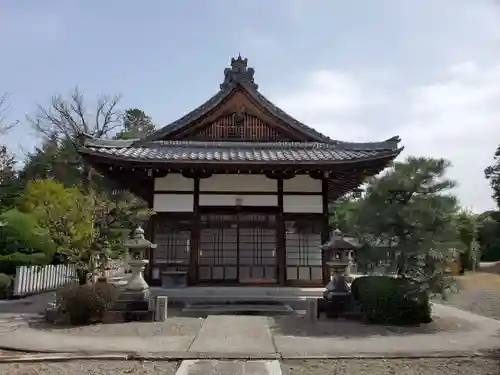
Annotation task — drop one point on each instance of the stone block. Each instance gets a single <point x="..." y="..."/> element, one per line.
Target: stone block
<point x="139" y="316"/>
<point x="114" y="316"/>
<point x="111" y="317"/>
<point x="130" y="295"/>
<point x="312" y="309"/>
<point x="161" y="308"/>
<point x="131" y="305"/>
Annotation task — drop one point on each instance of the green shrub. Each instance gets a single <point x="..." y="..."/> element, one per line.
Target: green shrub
<point x="355" y="286"/>
<point x="388" y="300"/>
<point x="5" y="283"/>
<point x="85" y="304"/>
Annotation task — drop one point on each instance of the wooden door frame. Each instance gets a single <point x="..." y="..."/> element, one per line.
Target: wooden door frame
<point x="237" y="211"/>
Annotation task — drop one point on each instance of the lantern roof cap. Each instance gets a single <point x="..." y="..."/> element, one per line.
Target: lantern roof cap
<point x="338" y="242"/>
<point x="138" y="241"/>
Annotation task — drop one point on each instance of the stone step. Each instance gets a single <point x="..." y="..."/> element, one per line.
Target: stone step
<point x="238" y="293"/>
<point x="242" y="309"/>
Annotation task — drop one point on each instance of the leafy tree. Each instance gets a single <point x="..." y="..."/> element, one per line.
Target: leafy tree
<point x="343" y="215"/>
<point x="39" y="163"/>
<point x="110" y="210"/>
<point x="467" y="232"/>
<point x="57" y="159"/>
<point x="10" y="186"/>
<point x="23" y="242"/>
<point x="489" y="236"/>
<point x="113" y="216"/>
<point x="405" y="221"/>
<point x="136" y="124"/>
<point x="492" y="174"/>
<point x="66" y="213"/>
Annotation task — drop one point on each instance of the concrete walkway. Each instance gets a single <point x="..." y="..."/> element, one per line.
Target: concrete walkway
<point x="249" y="337"/>
<point x="235" y="334"/>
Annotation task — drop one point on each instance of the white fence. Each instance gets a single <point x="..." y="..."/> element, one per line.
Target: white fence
<point x="36" y="279"/>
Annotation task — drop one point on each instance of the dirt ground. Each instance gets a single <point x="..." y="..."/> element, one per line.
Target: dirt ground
<point x="479" y="293"/>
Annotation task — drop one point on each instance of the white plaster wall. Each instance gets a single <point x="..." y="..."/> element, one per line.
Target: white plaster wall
<point x="173" y="203"/>
<point x="238" y="182"/>
<point x="174" y="182"/>
<point x="230" y="200"/>
<point x="302" y="183"/>
<point x="303" y="203"/>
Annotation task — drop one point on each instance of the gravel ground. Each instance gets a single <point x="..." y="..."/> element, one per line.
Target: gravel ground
<point x="435" y="366"/>
<point x="175" y="326"/>
<point x="460" y="366"/>
<point x="479" y="293"/>
<point x="90" y="368"/>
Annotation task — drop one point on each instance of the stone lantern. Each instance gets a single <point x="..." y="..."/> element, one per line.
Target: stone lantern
<point x="337" y="292"/>
<point x="138" y="245"/>
<point x="133" y="303"/>
<point x="336" y="254"/>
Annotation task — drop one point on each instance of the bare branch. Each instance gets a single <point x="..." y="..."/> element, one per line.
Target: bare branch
<point x="67" y="117"/>
<point x="4" y="109"/>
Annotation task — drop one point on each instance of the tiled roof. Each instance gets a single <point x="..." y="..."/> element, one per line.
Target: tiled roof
<point x="247" y="152"/>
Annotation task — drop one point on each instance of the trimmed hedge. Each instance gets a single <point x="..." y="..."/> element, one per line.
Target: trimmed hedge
<point x="389" y="300"/>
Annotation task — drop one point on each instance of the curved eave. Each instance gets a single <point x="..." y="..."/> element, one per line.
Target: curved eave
<point x="390" y="144"/>
<point x="387" y="155"/>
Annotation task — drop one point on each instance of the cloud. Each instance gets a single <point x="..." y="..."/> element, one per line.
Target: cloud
<point x="335" y="102"/>
<point x="455" y="116"/>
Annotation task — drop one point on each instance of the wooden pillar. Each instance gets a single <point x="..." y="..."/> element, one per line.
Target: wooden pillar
<point x="325" y="231"/>
<point x="280" y="233"/>
<point x="150" y="231"/>
<point x="194" y="248"/>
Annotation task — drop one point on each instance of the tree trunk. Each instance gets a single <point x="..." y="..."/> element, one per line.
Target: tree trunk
<point x="82" y="276"/>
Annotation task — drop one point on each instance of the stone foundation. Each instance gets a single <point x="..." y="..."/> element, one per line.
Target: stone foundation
<point x="131" y="306"/>
<point x="114" y="316"/>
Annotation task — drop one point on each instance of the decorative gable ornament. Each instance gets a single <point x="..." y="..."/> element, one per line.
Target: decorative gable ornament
<point x="239" y="72"/>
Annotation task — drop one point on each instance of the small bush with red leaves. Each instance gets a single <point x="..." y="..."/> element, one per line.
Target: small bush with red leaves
<point x="85" y="304"/>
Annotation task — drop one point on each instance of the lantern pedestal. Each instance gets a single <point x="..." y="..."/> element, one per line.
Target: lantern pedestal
<point x="136" y="281"/>
<point x="133" y="303"/>
<point x="338" y="279"/>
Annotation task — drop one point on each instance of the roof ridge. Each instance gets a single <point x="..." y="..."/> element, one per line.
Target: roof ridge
<point x="233" y="144"/>
<point x="390" y="145"/>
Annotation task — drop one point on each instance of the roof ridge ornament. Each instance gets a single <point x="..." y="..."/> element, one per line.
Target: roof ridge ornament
<point x="239" y="72"/>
